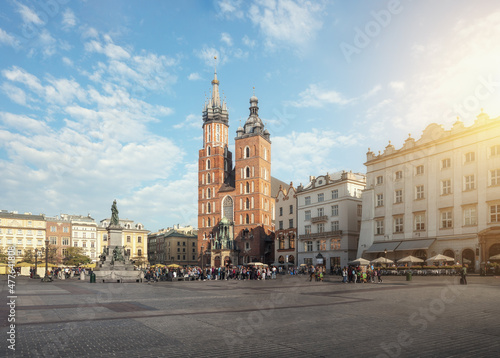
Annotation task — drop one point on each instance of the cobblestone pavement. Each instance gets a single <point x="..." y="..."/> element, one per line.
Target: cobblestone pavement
<point x="289" y="317"/>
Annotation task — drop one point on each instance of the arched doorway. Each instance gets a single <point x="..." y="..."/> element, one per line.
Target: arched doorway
<point x="449" y="253"/>
<point x="217" y="261"/>
<point x="281" y="259"/>
<point x="469" y="259"/>
<point x="493" y="250"/>
<point x="291" y="259"/>
<point x="227" y="261"/>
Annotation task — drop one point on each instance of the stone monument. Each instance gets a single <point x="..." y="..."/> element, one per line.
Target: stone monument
<point x="114" y="265"/>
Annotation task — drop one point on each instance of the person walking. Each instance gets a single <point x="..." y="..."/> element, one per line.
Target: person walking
<point x="463" y="274"/>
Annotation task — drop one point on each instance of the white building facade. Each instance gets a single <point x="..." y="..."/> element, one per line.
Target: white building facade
<point x="329" y="219"/>
<point x="436" y="195"/>
<point x="285" y="246"/>
<point x="83" y="234"/>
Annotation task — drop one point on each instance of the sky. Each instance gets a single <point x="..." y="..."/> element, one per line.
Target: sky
<point x="102" y="100"/>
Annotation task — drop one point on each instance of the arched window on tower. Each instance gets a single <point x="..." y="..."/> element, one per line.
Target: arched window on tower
<point x="247" y="152"/>
<point x="208" y="151"/>
<point x="208" y="193"/>
<point x="208" y="178"/>
<point x="247" y="219"/>
<point x="247" y="188"/>
<point x="208" y="208"/>
<point x="247" y="204"/>
<point x="208" y="164"/>
<point x="247" y="172"/>
<point x="208" y="222"/>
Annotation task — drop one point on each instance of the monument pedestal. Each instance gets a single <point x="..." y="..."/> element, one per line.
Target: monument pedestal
<point x="116" y="267"/>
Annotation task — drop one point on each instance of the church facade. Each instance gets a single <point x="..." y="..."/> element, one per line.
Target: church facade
<point x="235" y="203"/>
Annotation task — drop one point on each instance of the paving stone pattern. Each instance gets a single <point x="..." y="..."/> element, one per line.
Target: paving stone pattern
<point x="289" y="317"/>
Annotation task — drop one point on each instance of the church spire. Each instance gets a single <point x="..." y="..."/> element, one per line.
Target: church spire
<point x="215" y="87"/>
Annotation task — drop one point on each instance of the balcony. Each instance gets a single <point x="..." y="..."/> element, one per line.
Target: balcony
<point x="319" y="219"/>
<point x="321" y="235"/>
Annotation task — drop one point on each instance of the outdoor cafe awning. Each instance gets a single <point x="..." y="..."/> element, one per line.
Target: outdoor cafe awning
<point x="390" y="246"/>
<point x="415" y="244"/>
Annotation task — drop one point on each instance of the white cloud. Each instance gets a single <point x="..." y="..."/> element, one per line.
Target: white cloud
<point x="397" y="86"/>
<point x="7" y="39"/>
<point x="248" y="42"/>
<point x="69" y="19"/>
<point x="17" y="74"/>
<point x="226" y="38"/>
<point x="207" y="54"/>
<point x="191" y="121"/>
<point x="28" y="15"/>
<point x="20" y="123"/>
<point x="90" y="33"/>
<point x="316" y="96"/>
<point x="14" y="93"/>
<point x="67" y="61"/>
<point x="195" y="76"/>
<point x="310" y="152"/>
<point x="47" y="43"/>
<point x="231" y="8"/>
<point x="286" y="22"/>
<point x="109" y="49"/>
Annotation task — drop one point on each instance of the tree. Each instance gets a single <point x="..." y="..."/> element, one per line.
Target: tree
<point x="3" y="256"/>
<point x="75" y="257"/>
<point x="29" y="256"/>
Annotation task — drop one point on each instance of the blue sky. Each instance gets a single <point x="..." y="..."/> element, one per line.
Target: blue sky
<point x="102" y="100"/>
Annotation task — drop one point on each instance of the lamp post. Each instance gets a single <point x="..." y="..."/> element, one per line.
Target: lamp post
<point x="46" y="278"/>
<point x="202" y="257"/>
<point x="385" y="252"/>
<point x="36" y="262"/>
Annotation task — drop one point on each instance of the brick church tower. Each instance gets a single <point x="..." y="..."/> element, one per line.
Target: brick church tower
<point x="235" y="206"/>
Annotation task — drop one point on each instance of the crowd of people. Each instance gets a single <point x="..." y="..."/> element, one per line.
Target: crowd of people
<point x="158" y="273"/>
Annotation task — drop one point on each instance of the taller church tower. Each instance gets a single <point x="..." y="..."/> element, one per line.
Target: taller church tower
<point x="214" y="164"/>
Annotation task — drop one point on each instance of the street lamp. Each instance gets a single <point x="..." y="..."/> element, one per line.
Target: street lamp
<point x="36" y="262"/>
<point x="202" y="257"/>
<point x="46" y="278"/>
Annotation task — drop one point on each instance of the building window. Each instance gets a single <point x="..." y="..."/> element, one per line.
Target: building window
<point x="208" y="178"/>
<point x="445" y="163"/>
<point x="419" y="192"/>
<point x="469" y="182"/>
<point x="53" y="240"/>
<point x="291" y="209"/>
<point x="307" y="215"/>
<point x="495" y="150"/>
<point x="335" y="244"/>
<point x="335" y="225"/>
<point x="335" y="210"/>
<point x="470" y="157"/>
<point x="75" y="244"/>
<point x="290" y="223"/>
<point x="282" y="243"/>
<point x="321" y="197"/>
<point x="495" y="177"/>
<point x="307" y="229"/>
<point x="335" y="194"/>
<point x="420" y="222"/>
<point x="398" y="224"/>
<point x="139" y="252"/>
<point x="380" y="199"/>
<point x="139" y="239"/>
<point x="65" y="241"/>
<point x="128" y="238"/>
<point x="247" y="152"/>
<point x="398" y="196"/>
<point x="399" y="175"/>
<point x="208" y="164"/>
<point x="495" y="213"/>
<point x="322" y="245"/>
<point x="379" y="227"/>
<point x="446" y="187"/>
<point x="308" y="246"/>
<point x="446" y="219"/>
<point x="420" y="170"/>
<point x="281" y="211"/>
<point x="470" y="216"/>
<point x="280" y="225"/>
<point x="307" y="200"/>
<point x="360" y="210"/>
<point x="321" y="211"/>
<point x="321" y="228"/>
<point x="380" y="180"/>
<point x="53" y="229"/>
<point x="247" y="219"/>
